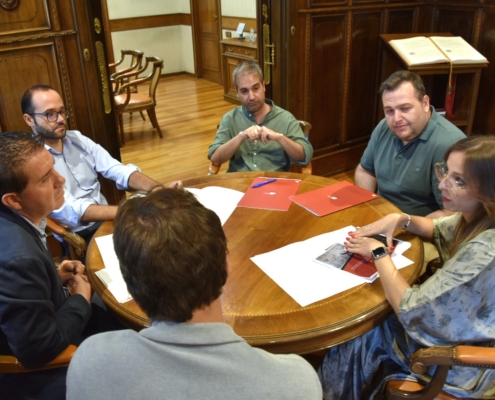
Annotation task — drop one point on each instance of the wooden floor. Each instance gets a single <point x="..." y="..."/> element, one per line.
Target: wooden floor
<point x="188" y="112"/>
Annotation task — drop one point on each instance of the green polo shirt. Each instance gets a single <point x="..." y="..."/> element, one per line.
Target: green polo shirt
<point x="406" y="174"/>
<point x="256" y="156"/>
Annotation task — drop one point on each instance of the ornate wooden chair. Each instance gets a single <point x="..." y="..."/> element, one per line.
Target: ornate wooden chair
<point x="136" y="57"/>
<point x="77" y="245"/>
<point x="126" y="101"/>
<point x="11" y="365"/>
<point x="307" y="170"/>
<point x="444" y="358"/>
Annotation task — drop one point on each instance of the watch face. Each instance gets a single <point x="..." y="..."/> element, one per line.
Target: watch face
<point x="379" y="252"/>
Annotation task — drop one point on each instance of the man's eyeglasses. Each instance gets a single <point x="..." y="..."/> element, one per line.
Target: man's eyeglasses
<point x="442" y="172"/>
<point x="52" y="116"/>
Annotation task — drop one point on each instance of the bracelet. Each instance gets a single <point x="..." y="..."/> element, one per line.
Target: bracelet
<point x="408" y="221"/>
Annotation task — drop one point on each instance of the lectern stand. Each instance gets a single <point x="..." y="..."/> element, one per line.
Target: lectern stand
<point x="467" y="79"/>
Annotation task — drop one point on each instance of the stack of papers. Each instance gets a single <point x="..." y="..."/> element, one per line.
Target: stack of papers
<point x="111" y="275"/>
<point x="293" y="268"/>
<point x="220" y="200"/>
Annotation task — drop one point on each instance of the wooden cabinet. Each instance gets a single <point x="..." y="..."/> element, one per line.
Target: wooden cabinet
<point x="233" y="52"/>
<point x="435" y="77"/>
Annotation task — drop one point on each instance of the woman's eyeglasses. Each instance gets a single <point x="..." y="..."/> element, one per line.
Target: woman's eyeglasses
<point x="442" y="172"/>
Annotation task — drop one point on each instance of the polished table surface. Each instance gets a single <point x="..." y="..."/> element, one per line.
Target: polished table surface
<point x="253" y="304"/>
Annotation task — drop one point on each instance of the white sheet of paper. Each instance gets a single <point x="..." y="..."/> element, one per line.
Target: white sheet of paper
<point x="221" y="200"/>
<point x="111" y="275"/>
<point x="293" y="269"/>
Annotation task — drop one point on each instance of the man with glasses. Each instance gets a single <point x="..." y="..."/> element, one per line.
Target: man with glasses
<point x="79" y="160"/>
<point x="399" y="162"/>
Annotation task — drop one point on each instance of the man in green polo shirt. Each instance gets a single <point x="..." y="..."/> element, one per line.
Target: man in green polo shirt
<point x="258" y="136"/>
<point x="399" y="162"/>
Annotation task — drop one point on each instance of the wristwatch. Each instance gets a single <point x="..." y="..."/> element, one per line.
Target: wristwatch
<point x="379" y="252"/>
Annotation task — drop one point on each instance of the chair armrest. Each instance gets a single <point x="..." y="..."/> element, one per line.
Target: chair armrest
<point x="11" y="365"/>
<point x="469" y="356"/>
<point x="444" y="358"/>
<point x="213" y="169"/>
<point x="75" y="241"/>
<point x="307" y="170"/>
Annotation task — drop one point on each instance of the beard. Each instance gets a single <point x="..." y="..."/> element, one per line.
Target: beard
<point x="47" y="133"/>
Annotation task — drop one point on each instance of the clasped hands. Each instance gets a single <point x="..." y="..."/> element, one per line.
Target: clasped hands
<point x="262" y="133"/>
<point x="71" y="275"/>
<point x="361" y="242"/>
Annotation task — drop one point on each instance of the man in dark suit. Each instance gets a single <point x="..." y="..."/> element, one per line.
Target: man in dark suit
<point x="38" y="316"/>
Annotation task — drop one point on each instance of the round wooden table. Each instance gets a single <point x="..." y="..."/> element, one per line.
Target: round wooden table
<point x="254" y="305"/>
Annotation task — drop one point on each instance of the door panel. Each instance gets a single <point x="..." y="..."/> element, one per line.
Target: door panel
<point x="208" y="36"/>
<point x="28" y="16"/>
<point x="59" y="43"/>
<point x="25" y="66"/>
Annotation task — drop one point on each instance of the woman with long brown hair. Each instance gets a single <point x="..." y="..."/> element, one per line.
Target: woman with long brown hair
<point x="454" y="306"/>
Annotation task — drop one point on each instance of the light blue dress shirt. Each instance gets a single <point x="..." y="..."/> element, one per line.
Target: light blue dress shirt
<point x="79" y="163"/>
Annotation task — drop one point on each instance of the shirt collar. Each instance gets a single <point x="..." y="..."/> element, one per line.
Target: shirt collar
<point x="267" y="116"/>
<point x="40" y="230"/>
<point x="67" y="143"/>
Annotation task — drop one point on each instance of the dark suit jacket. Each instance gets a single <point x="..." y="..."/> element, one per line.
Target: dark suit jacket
<point x="37" y="321"/>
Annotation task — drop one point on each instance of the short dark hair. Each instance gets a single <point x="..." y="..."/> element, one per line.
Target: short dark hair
<point x="27" y="97"/>
<point x="172" y="253"/>
<point x="247" y="67"/>
<point x="398" y="78"/>
<point x="15" y="149"/>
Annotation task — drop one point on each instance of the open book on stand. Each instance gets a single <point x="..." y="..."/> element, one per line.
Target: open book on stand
<point x="436" y="49"/>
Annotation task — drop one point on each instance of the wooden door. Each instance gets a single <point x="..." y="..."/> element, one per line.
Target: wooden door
<point x="59" y="43"/>
<point x="206" y="16"/>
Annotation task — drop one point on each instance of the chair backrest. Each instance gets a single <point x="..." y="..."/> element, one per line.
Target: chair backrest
<point x="155" y="74"/>
<point x="136" y="61"/>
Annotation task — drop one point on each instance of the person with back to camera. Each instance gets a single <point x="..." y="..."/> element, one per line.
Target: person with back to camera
<point x="454" y="306"/>
<point x="174" y="258"/>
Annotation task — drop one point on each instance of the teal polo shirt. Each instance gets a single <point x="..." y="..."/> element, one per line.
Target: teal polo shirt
<point x="405" y="175"/>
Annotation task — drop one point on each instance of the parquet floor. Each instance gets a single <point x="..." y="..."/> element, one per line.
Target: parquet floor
<point x="188" y="112"/>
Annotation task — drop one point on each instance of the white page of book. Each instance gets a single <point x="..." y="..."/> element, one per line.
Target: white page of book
<point x="293" y="269"/>
<point x="221" y="200"/>
<point x="418" y="50"/>
<point x="458" y="49"/>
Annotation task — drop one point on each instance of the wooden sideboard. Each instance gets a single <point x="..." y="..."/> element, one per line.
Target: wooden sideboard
<point x="233" y="52"/>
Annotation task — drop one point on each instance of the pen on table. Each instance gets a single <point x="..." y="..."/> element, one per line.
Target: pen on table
<point x="256" y="185"/>
<point x="74" y="268"/>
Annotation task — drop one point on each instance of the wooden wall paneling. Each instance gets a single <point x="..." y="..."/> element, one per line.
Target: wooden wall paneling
<point x="20" y="68"/>
<point x="484" y="121"/>
<point x="327" y="75"/>
<point x="403" y="20"/>
<point x="28" y="17"/>
<point x="364" y="75"/>
<point x="460" y="21"/>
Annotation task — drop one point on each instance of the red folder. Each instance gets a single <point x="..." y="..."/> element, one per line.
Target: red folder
<point x="333" y="198"/>
<point x="272" y="196"/>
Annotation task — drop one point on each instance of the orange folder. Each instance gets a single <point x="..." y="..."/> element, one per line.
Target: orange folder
<point x="333" y="198"/>
<point x="272" y="196"/>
